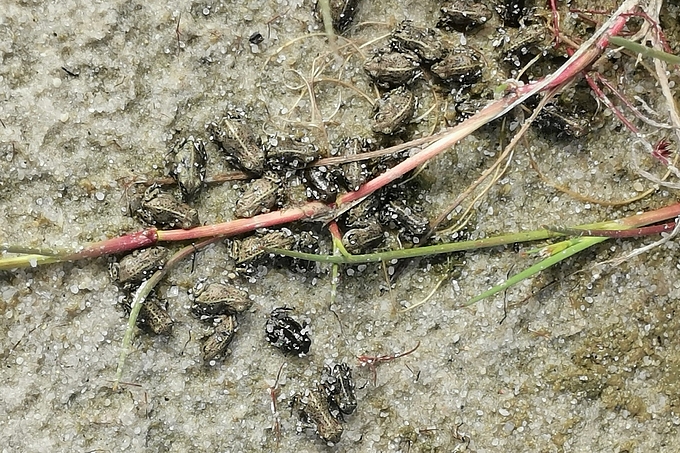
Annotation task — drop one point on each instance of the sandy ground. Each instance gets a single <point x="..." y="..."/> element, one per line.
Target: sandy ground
<point x="93" y="95"/>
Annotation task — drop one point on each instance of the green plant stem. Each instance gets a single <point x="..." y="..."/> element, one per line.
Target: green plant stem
<point x="422" y="251"/>
<point x="577" y="245"/>
<point x="10" y="248"/>
<point x="313" y="210"/>
<point x="627" y="223"/>
<point x="644" y="50"/>
<point x="31" y="260"/>
<point x="143" y="292"/>
<point x="325" y="7"/>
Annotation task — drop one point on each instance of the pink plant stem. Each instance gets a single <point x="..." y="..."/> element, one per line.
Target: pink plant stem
<point x="556" y="20"/>
<point x="633" y="233"/>
<point x="658" y="215"/>
<point x="151" y="236"/>
<point x="308" y="211"/>
<point x="644" y="231"/>
<point x="578" y="62"/>
<point x="621" y="97"/>
<point x="587" y="53"/>
<point x="456" y="134"/>
<point x="619" y="114"/>
<point x="335" y="230"/>
<point x="130" y="241"/>
<point x="600" y="94"/>
<point x="659" y="32"/>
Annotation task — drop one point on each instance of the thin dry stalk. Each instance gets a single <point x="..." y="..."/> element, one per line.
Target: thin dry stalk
<point x="504" y="157"/>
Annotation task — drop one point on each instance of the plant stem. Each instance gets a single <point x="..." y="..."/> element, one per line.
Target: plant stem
<point x="422" y="251"/>
<point x="151" y="236"/>
<point x="581" y="59"/>
<point x="142" y="293"/>
<point x="644" y="50"/>
<point x="578" y="245"/>
<point x="636" y="232"/>
<point x="628" y="223"/>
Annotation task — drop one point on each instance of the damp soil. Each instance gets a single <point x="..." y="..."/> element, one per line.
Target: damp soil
<point x="579" y="358"/>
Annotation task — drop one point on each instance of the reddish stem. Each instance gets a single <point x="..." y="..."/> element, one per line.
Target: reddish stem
<point x="151" y="236"/>
<point x="603" y="97"/>
<point x="130" y="241"/>
<point x="373" y="361"/>
<point x="623" y="99"/>
<point x="658" y="215"/>
<point x="460" y="131"/>
<point x="659" y="33"/>
<point x="308" y="211"/>
<point x="578" y="63"/>
<point x="335" y="230"/>
<point x="581" y="61"/>
<point x="600" y="94"/>
<point x="556" y="21"/>
<point x="635" y="232"/>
